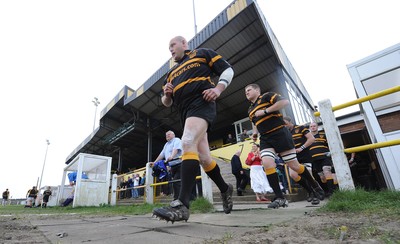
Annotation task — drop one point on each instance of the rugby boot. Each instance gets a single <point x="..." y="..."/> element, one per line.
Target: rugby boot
<point x="314" y="200"/>
<point x="310" y="196"/>
<point x="226" y="197"/>
<point x="319" y="193"/>
<point x="176" y="211"/>
<point x="279" y="202"/>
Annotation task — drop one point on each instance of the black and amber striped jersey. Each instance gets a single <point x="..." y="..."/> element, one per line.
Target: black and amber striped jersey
<point x="192" y="75"/>
<point x="271" y="121"/>
<point x="319" y="148"/>
<point x="299" y="133"/>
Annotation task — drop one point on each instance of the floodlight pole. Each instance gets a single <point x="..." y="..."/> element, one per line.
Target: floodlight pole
<point x="194" y="16"/>
<point x="44" y="162"/>
<point x="96" y="103"/>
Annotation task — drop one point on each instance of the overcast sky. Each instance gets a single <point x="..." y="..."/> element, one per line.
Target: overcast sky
<point x="56" y="56"/>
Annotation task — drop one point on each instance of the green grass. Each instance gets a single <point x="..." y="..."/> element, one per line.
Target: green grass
<point x="386" y="202"/>
<point x="200" y="205"/>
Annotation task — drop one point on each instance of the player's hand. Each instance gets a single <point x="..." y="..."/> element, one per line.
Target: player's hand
<point x="211" y="94"/>
<point x="168" y="89"/>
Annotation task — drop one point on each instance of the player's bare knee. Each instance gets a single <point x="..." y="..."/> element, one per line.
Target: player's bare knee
<point x="187" y="141"/>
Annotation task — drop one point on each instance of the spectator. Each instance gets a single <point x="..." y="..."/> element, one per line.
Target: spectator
<point x="6" y="195"/>
<point x="237" y="170"/>
<point x="230" y="139"/>
<point x="280" y="169"/>
<point x="46" y="196"/>
<point x="136" y="179"/>
<point x="161" y="172"/>
<point x="70" y="198"/>
<point x="244" y="135"/>
<point x="122" y="187"/>
<point x="129" y="185"/>
<point x="259" y="182"/>
<point x="172" y="153"/>
<point x="142" y="183"/>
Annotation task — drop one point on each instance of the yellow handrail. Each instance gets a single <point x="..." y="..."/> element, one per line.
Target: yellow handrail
<point x="363" y="99"/>
<point x="372" y="146"/>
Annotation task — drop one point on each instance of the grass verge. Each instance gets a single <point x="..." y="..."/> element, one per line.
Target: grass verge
<point x="386" y="202"/>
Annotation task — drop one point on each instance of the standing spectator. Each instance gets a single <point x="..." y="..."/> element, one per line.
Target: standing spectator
<point x="281" y="170"/>
<point x="129" y="185"/>
<point x="46" y="196"/>
<point x="302" y="139"/>
<point x="122" y="188"/>
<point x="6" y="195"/>
<point x="259" y="182"/>
<point x="188" y="85"/>
<point x="237" y="170"/>
<point x="31" y="197"/>
<point x="136" y="179"/>
<point x="244" y="135"/>
<point x="274" y="138"/>
<point x="172" y="153"/>
<point x="142" y="183"/>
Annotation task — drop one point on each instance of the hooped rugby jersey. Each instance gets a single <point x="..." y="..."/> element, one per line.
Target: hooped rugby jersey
<point x="320" y="147"/>
<point x="271" y="121"/>
<point x="299" y="133"/>
<point x="192" y="75"/>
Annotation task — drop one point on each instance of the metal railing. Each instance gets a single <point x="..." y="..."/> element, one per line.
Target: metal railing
<point x="150" y="193"/>
<point x="334" y="137"/>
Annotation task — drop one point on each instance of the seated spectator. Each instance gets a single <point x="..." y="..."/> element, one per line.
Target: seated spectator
<point x="161" y="172"/>
<point x="70" y="198"/>
<point x="230" y="139"/>
<point x="244" y="135"/>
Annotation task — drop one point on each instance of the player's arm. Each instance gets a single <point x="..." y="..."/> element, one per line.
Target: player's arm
<point x="224" y="80"/>
<point x="274" y="107"/>
<point x="278" y="105"/>
<point x="254" y="136"/>
<point x="310" y="140"/>
<point x="166" y="99"/>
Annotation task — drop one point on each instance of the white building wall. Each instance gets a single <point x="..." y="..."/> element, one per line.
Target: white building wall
<point x="375" y="73"/>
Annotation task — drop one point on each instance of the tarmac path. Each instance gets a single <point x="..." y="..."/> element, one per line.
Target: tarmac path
<point x="200" y="228"/>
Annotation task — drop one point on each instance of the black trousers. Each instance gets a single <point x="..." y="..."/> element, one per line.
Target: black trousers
<point x="176" y="175"/>
<point x="241" y="180"/>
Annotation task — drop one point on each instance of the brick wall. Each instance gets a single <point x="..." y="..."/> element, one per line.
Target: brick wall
<point x="388" y="122"/>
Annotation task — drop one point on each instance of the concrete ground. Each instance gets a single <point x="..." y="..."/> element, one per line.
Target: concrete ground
<point x="200" y="228"/>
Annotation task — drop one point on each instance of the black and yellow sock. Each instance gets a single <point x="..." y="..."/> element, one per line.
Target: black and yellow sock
<point x="329" y="184"/>
<point x="188" y="176"/>
<point x="214" y="173"/>
<point x="273" y="180"/>
<point x="303" y="183"/>
<point x="303" y="172"/>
